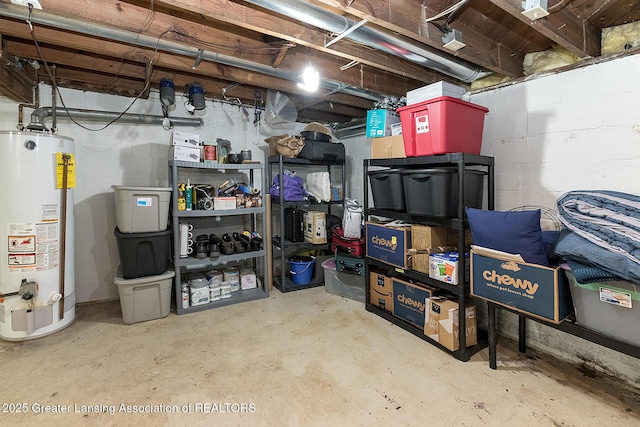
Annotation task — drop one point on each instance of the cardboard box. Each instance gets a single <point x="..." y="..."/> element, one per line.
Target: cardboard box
<point x="224" y="203"/>
<point x="442" y="323"/>
<point x="185" y="139"/>
<point x="542" y="292"/>
<point x="186" y="154"/>
<point x="389" y="244"/>
<point x="314" y="227"/>
<point x="444" y="267"/>
<point x="381" y="291"/>
<point x="408" y="300"/>
<point x="420" y="257"/>
<point x="379" y="122"/>
<point x="426" y="237"/>
<point x="388" y="147"/>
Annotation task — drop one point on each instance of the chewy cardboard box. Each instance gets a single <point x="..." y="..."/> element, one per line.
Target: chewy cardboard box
<point x="381" y="291"/>
<point x="408" y="300"/>
<point x="379" y="122"/>
<point x="542" y="292"/>
<point x="388" y="147"/>
<point x="389" y="244"/>
<point x="442" y="323"/>
<point x="314" y="227"/>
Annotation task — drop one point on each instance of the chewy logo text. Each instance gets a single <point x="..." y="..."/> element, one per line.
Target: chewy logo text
<point x="505" y="279"/>
<point x="392" y="244"/>
<point x="410" y="301"/>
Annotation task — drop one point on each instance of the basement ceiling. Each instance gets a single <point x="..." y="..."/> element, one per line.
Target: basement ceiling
<point x="238" y="50"/>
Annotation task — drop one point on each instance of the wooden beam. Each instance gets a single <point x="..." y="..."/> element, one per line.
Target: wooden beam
<point x="16" y="84"/>
<point x="407" y="17"/>
<point x="563" y="27"/>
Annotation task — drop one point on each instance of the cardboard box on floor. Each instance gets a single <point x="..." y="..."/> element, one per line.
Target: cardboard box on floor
<point x="542" y="292"/>
<point x="408" y="300"/>
<point x="442" y="323"/>
<point x="381" y="291"/>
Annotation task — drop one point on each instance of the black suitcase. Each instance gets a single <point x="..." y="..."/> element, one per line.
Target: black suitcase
<point x="293" y="225"/>
<point x="349" y="264"/>
<point x="324" y="151"/>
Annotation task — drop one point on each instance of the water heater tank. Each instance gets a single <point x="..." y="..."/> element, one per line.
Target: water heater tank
<point x="37" y="277"/>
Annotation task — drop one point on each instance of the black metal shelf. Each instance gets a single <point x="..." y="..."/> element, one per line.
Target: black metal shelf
<point x="282" y="282"/>
<point x="454" y="223"/>
<point x="287" y="285"/>
<point x="463" y="355"/>
<point x="462" y="161"/>
<point x="420" y="277"/>
<point x="569" y="326"/>
<point x="297" y="161"/>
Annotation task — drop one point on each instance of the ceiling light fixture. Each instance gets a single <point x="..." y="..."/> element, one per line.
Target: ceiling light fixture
<point x="310" y="79"/>
<point x="535" y="9"/>
<point x="453" y="40"/>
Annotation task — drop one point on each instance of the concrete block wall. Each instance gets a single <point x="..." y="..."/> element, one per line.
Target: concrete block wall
<point x="554" y="133"/>
<point x="123" y="154"/>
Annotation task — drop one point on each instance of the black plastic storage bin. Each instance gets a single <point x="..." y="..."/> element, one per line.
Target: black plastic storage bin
<point x="387" y="189"/>
<point x="143" y="254"/>
<point x="434" y="192"/>
<point x="322" y="151"/>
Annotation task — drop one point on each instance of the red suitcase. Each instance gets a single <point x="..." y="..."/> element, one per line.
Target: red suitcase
<point x="344" y="245"/>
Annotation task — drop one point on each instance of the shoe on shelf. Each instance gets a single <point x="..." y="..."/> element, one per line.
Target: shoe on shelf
<point x="256" y="241"/>
<point x="226" y="246"/>
<point x="238" y="246"/>
<point x="214" y="250"/>
<point x="202" y="249"/>
<point x="245" y="238"/>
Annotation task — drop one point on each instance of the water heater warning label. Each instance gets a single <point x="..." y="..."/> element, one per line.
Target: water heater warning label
<point x="32" y="246"/>
<point x="22" y="243"/>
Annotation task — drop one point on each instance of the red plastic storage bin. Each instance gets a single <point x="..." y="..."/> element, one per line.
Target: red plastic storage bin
<point x="442" y="125"/>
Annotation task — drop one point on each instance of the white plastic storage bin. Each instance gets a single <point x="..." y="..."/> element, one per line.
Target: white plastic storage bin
<point x="144" y="298"/>
<point x="343" y="284"/>
<point x="141" y="209"/>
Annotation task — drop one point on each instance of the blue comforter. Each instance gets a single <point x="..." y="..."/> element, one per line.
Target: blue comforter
<point x="605" y="231"/>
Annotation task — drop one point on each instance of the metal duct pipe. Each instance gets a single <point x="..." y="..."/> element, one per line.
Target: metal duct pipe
<point x="329" y="21"/>
<point x="91" y="28"/>
<point x="39" y="115"/>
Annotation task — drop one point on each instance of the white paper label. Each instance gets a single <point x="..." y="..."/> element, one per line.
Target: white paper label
<point x="611" y="296"/>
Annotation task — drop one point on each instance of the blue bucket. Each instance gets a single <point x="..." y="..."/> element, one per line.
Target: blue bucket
<point x="302" y="269"/>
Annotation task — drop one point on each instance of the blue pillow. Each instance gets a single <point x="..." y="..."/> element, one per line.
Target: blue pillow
<point x="516" y="232"/>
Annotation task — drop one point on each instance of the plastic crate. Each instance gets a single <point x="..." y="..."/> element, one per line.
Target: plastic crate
<point x="442" y="125"/>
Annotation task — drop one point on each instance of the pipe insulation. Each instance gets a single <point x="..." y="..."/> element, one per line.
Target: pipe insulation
<point x="39" y="115"/>
<point x="329" y="21"/>
<point x="96" y="30"/>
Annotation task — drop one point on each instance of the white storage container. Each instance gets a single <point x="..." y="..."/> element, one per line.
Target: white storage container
<point x="343" y="284"/>
<point x="434" y="90"/>
<point x="141" y="209"/>
<point x="611" y="308"/>
<point x="144" y="298"/>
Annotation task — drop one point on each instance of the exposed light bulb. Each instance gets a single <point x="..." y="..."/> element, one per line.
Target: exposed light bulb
<point x="310" y="79"/>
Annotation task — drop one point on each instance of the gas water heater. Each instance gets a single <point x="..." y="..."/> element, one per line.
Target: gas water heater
<point x="37" y="272"/>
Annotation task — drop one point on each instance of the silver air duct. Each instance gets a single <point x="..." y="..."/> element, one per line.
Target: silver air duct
<point x="329" y="21"/>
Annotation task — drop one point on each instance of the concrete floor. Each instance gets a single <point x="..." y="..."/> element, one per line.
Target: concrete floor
<point x="301" y="358"/>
